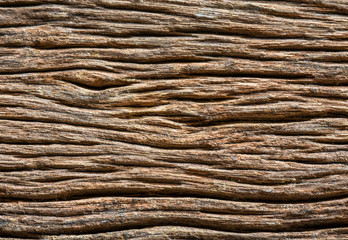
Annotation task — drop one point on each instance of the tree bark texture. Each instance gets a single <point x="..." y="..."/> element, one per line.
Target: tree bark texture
<point x="173" y="119"/>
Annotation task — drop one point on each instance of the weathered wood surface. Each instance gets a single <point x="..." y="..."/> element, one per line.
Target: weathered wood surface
<point x="173" y="119"/>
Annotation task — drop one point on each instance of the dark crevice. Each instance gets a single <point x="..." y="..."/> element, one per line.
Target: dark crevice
<point x="261" y="35"/>
<point x="167" y="60"/>
<point x="192" y="193"/>
<point x="310" y="162"/>
<point x="94" y="87"/>
<point x="285" y="48"/>
<point x="249" y="57"/>
<point x="201" y="99"/>
<point x="75" y="46"/>
<point x="44" y="142"/>
<point x="260" y="119"/>
<point x="311" y="225"/>
<point x="149" y="89"/>
<point x="55" y="180"/>
<point x="138" y="33"/>
<point x="14" y="236"/>
<point x="321" y="82"/>
<point x="344" y="62"/>
<point x="275" y="75"/>
<point x="294" y="133"/>
<point x="50" y="70"/>
<point x="325" y="96"/>
<point x="61" y="154"/>
<point x="18" y="4"/>
<point x="332" y="141"/>
<point x="253" y="102"/>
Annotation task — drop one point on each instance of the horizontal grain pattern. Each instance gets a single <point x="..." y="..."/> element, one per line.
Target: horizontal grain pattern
<point x="65" y="133"/>
<point x="173" y="119"/>
<point x="260" y="177"/>
<point x="78" y="207"/>
<point x="138" y="93"/>
<point x="192" y="53"/>
<point x="325" y="188"/>
<point x="209" y="221"/>
<point x="220" y="66"/>
<point x="247" y="12"/>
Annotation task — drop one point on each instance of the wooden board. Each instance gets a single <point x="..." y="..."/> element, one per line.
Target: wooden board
<point x="173" y="119"/>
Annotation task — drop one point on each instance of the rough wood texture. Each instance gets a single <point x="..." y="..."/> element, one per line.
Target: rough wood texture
<point x="173" y="119"/>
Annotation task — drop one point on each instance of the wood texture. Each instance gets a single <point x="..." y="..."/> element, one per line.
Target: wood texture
<point x="173" y="119"/>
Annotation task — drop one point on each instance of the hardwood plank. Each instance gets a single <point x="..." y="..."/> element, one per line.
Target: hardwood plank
<point x="172" y="119"/>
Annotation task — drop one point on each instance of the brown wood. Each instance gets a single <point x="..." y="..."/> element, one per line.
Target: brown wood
<point x="173" y="119"/>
